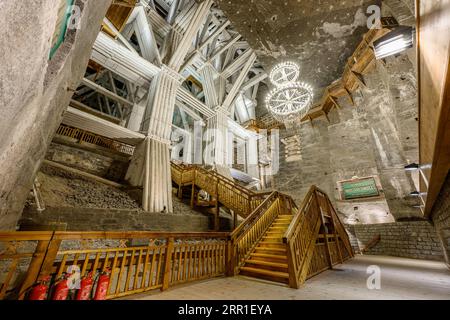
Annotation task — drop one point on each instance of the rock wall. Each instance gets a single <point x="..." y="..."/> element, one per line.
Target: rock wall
<point x="416" y="240"/>
<point x="35" y="92"/>
<point x="376" y="137"/>
<point x="441" y="218"/>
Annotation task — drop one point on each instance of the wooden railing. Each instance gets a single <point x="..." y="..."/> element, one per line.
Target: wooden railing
<point x="227" y="192"/>
<point x="92" y="138"/>
<point x="136" y="261"/>
<point x="244" y="238"/>
<point x="307" y="253"/>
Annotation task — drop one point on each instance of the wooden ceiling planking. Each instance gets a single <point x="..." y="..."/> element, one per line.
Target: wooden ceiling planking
<point x="433" y="34"/>
<point x="119" y="13"/>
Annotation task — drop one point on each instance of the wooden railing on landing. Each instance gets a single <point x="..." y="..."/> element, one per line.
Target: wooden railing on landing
<point x="137" y="261"/>
<point x="307" y="254"/>
<point x="230" y="194"/>
<point x="92" y="138"/>
<point x="143" y="261"/>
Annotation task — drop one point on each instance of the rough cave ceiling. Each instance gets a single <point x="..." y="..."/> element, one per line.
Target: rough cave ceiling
<point x="320" y="35"/>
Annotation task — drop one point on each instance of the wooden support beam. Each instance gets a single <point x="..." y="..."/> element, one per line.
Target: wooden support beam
<point x="349" y="96"/>
<point x="167" y="264"/>
<point x="106" y="92"/>
<point x="335" y="103"/>
<point x="359" y="78"/>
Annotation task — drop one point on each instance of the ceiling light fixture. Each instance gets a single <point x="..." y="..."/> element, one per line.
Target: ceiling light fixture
<point x="290" y="99"/>
<point x="396" y="41"/>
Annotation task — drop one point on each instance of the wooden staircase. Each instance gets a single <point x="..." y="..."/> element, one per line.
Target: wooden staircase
<point x="269" y="260"/>
<point x="278" y="241"/>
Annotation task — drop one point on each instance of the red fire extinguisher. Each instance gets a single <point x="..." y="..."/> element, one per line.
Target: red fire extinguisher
<point x="61" y="289"/>
<point x="102" y="286"/>
<point x="39" y="291"/>
<point x="86" y="284"/>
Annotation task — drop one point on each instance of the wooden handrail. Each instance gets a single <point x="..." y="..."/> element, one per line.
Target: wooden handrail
<point x="246" y="237"/>
<point x="89" y="137"/>
<point x="251" y="218"/>
<point x="303" y="250"/>
<point x="300" y="213"/>
<point x="226" y="191"/>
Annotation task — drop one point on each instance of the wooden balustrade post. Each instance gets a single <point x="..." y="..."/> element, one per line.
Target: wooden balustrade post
<point x="322" y="220"/>
<point x="180" y="188"/>
<point x="217" y="217"/>
<point x="293" y="280"/>
<point x="34" y="268"/>
<point x="167" y="264"/>
<point x="229" y="258"/>
<point x="50" y="256"/>
<point x="336" y="236"/>
<point x="83" y="133"/>
<point x="193" y="194"/>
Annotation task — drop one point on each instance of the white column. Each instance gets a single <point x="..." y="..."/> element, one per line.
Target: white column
<point x="252" y="157"/>
<point x="217" y="142"/>
<point x="150" y="166"/>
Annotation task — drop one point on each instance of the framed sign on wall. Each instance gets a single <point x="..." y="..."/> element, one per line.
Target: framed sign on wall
<point x="359" y="188"/>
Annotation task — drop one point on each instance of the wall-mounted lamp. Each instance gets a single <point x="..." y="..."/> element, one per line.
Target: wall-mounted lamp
<point x="396" y="41"/>
<point x="417" y="194"/>
<point x="415" y="167"/>
<point x="412" y="167"/>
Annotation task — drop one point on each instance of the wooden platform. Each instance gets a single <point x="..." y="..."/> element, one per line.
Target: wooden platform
<point x="402" y="279"/>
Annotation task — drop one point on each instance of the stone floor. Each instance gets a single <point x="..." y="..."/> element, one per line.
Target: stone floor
<point x="400" y="279"/>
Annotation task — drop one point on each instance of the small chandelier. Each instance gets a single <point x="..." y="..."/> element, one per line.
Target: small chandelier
<point x="290" y="99"/>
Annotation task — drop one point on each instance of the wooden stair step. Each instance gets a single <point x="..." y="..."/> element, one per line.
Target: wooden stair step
<point x="273" y="238"/>
<point x="280" y="224"/>
<point x="268" y="250"/>
<point x="277" y="228"/>
<point x="269" y="257"/>
<point x="276" y="233"/>
<point x="277" y="266"/>
<point x="270" y="244"/>
<point x="276" y="276"/>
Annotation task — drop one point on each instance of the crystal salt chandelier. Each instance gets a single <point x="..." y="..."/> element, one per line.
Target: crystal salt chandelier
<point x="290" y="99"/>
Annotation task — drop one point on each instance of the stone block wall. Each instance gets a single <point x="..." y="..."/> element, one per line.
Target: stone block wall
<point x="91" y="159"/>
<point x="415" y="239"/>
<point x="441" y="218"/>
<point x="91" y="219"/>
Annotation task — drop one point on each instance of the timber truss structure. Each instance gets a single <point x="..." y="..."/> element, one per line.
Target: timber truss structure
<point x="159" y="68"/>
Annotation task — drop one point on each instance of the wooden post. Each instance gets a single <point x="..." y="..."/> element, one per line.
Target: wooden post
<point x="327" y="245"/>
<point x="50" y="256"/>
<point x="216" y="217"/>
<point x="336" y="236"/>
<point x="193" y="195"/>
<point x="167" y="264"/>
<point x="293" y="281"/>
<point x="34" y="268"/>
<point x="229" y="259"/>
